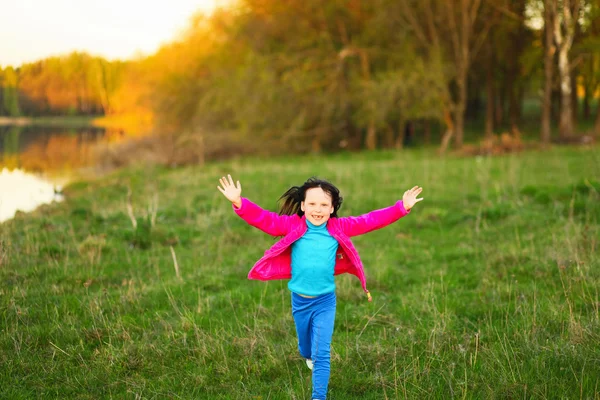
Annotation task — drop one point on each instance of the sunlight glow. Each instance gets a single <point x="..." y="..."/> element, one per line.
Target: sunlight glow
<point x="31" y="30"/>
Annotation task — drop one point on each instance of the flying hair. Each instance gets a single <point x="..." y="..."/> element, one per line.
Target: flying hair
<point x="289" y="202"/>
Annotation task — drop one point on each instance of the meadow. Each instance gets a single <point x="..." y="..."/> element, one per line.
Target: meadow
<point x="489" y="289"/>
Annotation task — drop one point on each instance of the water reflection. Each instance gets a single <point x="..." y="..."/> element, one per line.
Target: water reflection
<point x="51" y="149"/>
<point x="27" y="152"/>
<point x="21" y="191"/>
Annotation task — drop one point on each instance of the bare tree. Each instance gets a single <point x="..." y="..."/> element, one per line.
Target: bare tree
<point x="564" y="33"/>
<point x="597" y="123"/>
<point x="490" y="91"/>
<point x="517" y="47"/>
<point x="456" y="29"/>
<point x="348" y="51"/>
<point x="549" y="50"/>
<point x="592" y="74"/>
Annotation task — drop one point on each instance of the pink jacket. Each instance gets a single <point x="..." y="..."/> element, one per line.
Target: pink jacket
<point x="276" y="262"/>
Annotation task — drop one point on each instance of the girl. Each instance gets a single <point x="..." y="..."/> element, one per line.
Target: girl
<point x="315" y="246"/>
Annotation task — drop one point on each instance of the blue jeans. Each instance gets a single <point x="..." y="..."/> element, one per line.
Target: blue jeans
<point x="314" y="319"/>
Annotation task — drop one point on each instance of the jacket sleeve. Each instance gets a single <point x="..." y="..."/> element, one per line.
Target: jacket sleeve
<point x="354" y="226"/>
<point x="267" y="221"/>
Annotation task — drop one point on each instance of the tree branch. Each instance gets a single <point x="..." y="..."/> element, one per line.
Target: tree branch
<point x="453" y="31"/>
<point x="412" y="20"/>
<point x="505" y="10"/>
<point x="431" y="25"/>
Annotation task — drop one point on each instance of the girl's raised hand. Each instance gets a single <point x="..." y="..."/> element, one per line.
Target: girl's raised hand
<point x="410" y="197"/>
<point x="232" y="192"/>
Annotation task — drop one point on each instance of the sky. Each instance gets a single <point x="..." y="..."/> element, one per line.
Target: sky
<point x="31" y="30"/>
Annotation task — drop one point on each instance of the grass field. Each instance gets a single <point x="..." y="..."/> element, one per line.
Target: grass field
<point x="489" y="289"/>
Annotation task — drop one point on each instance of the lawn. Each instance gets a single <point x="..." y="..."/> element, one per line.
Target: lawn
<point x="489" y="289"/>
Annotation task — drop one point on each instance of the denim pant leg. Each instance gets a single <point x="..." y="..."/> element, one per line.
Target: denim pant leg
<point x="322" y="332"/>
<point x="314" y="319"/>
<point x="302" y="313"/>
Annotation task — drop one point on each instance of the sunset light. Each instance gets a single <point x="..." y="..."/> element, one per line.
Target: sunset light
<point x="31" y="30"/>
<point x="300" y="199"/>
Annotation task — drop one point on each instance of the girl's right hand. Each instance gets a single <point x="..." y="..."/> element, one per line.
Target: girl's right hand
<point x="231" y="191"/>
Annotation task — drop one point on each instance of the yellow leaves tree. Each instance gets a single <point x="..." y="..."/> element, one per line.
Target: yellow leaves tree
<point x="10" y="95"/>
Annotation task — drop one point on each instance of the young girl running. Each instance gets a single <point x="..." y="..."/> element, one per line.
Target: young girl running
<point x="315" y="246"/>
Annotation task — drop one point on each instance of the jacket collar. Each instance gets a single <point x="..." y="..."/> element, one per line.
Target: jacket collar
<point x="332" y="225"/>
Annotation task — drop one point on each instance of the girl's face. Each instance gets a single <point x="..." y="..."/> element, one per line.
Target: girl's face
<point x="317" y="206"/>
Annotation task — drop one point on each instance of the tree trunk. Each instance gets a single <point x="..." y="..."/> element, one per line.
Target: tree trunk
<point x="597" y="124"/>
<point x="460" y="28"/>
<point x="587" y="112"/>
<point x="499" y="107"/>
<point x="399" y="145"/>
<point x="574" y="98"/>
<point x="566" y="108"/>
<point x="104" y="95"/>
<point x="574" y="68"/>
<point x="548" y="69"/>
<point x="489" y="102"/>
<point x="366" y="72"/>
<point x="566" y="22"/>
<point x="371" y="139"/>
<point x="513" y="104"/>
<point x="389" y="137"/>
<point x="513" y="85"/>
<point x="556" y="100"/>
<point x="427" y="131"/>
<point x="459" y="110"/>
<point x="449" y="131"/>
<point x="315" y="144"/>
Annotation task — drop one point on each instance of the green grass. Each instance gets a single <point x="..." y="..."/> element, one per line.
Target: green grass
<point x="489" y="289"/>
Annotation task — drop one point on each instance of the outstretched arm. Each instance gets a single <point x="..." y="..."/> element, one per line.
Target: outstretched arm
<point x="267" y="221"/>
<point x="232" y="192"/>
<point x="354" y="226"/>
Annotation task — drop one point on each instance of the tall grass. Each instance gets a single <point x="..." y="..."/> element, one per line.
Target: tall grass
<point x="488" y="289"/>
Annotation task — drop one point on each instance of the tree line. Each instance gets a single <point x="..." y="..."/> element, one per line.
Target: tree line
<point x="311" y="75"/>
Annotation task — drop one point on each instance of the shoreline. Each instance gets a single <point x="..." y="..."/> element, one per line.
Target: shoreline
<point x="18" y="121"/>
<point x="28" y="191"/>
<point x="79" y="121"/>
<point x="135" y="124"/>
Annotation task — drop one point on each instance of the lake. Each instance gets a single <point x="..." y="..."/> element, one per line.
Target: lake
<point x="36" y="161"/>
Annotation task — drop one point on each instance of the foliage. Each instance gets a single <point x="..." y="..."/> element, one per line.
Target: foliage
<point x="269" y="76"/>
<point x="10" y="100"/>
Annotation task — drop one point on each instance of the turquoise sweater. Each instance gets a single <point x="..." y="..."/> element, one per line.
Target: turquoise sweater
<point x="313" y="261"/>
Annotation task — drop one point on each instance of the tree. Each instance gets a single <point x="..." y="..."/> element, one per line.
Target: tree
<point x="517" y="39"/>
<point x="565" y="19"/>
<point x="105" y="80"/>
<point x="549" y="50"/>
<point x="455" y="29"/>
<point x="1" y="91"/>
<point x="11" y="92"/>
<point x="403" y="94"/>
<point x="311" y="67"/>
<point x="588" y="51"/>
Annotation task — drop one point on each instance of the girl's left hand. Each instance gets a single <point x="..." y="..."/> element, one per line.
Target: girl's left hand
<point x="410" y="197"/>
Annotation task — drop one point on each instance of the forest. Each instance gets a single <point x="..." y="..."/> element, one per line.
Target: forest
<point x="306" y="75"/>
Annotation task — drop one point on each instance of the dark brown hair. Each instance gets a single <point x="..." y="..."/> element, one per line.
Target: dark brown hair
<point x="290" y="200"/>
